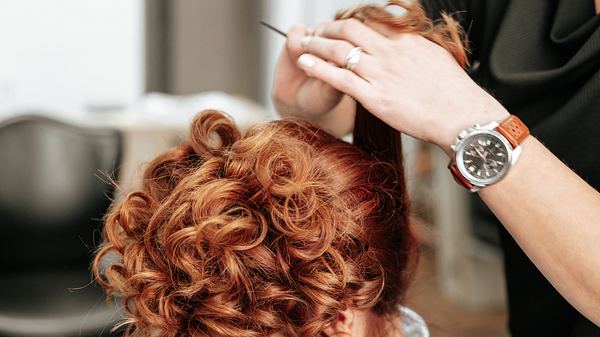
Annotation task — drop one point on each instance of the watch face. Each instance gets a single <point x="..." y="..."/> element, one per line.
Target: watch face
<point x="483" y="158"/>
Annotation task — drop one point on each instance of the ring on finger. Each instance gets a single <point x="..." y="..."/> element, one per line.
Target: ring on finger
<point x="353" y="58"/>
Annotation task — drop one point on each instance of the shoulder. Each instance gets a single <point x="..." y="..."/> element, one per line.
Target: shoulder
<point x="479" y="18"/>
<point x="435" y="7"/>
<point x="413" y="325"/>
<point x="464" y="9"/>
<point x="460" y="5"/>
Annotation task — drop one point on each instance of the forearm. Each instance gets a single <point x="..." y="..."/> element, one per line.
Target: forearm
<point x="551" y="212"/>
<point x="555" y="217"/>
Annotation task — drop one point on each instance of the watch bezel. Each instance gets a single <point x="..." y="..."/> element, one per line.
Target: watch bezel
<point x="459" y="157"/>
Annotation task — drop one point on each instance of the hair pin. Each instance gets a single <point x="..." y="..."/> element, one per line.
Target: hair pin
<point x="272" y="28"/>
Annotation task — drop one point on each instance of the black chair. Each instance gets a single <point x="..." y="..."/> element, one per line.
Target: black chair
<point x="52" y="200"/>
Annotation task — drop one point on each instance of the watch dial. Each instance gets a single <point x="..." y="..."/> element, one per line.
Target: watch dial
<point x="485" y="156"/>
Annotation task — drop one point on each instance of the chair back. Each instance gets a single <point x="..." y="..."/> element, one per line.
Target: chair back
<point x="52" y="193"/>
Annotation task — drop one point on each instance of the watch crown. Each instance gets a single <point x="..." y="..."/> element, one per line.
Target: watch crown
<point x="453" y="147"/>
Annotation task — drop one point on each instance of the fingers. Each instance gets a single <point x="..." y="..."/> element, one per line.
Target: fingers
<point x="321" y="27"/>
<point x="356" y="33"/>
<point x="343" y="80"/>
<point x="337" y="51"/>
<point x="294" y="38"/>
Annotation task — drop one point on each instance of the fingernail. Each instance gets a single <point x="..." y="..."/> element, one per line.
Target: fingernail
<point x="305" y="41"/>
<point x="310" y="31"/>
<point x="306" y="60"/>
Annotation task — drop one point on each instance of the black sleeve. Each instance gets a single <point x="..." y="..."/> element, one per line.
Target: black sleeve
<point x="469" y="13"/>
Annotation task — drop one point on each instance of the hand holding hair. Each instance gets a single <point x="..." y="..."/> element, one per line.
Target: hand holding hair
<point x="412" y="80"/>
<point x="410" y="73"/>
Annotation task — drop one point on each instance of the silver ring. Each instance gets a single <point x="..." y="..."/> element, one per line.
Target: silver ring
<point x="353" y="58"/>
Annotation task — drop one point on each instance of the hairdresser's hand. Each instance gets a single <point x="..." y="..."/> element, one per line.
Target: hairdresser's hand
<point x="409" y="82"/>
<point x="295" y="93"/>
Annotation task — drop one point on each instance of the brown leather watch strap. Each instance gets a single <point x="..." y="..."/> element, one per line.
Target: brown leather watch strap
<point x="459" y="178"/>
<point x="514" y="130"/>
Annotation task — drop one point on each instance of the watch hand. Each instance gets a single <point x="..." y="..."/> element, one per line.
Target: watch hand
<point x="478" y="152"/>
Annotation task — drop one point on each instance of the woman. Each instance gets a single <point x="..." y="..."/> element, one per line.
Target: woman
<point x="541" y="59"/>
<point x="284" y="230"/>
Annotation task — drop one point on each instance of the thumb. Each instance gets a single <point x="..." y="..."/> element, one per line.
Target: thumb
<point x="294" y="40"/>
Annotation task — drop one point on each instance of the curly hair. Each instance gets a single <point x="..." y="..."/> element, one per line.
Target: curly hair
<point x="275" y="230"/>
<point x="271" y="231"/>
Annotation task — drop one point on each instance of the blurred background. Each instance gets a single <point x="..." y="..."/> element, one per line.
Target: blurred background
<point x="91" y="90"/>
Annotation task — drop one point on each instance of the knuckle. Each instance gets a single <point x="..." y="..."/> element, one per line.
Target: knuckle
<point x="395" y="48"/>
<point x="340" y="50"/>
<point x="388" y="47"/>
<point x="402" y="44"/>
<point x="307" y="42"/>
<point x="408" y="40"/>
<point x="350" y="26"/>
<point x="385" y="103"/>
<point x="320" y="29"/>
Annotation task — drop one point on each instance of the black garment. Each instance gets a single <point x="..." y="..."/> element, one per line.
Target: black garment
<point x="541" y="60"/>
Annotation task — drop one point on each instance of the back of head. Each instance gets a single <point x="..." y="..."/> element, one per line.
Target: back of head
<point x="273" y="231"/>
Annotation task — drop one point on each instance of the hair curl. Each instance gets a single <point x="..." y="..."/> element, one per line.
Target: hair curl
<point x="275" y="230"/>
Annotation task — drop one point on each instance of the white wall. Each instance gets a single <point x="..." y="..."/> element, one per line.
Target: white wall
<point x="65" y="55"/>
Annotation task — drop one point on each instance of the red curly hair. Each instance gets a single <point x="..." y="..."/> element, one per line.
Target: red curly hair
<point x="273" y="231"/>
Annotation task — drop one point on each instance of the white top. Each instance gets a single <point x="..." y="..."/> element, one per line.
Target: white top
<point x="413" y="324"/>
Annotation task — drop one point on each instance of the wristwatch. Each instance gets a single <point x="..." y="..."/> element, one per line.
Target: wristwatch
<point x="484" y="154"/>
